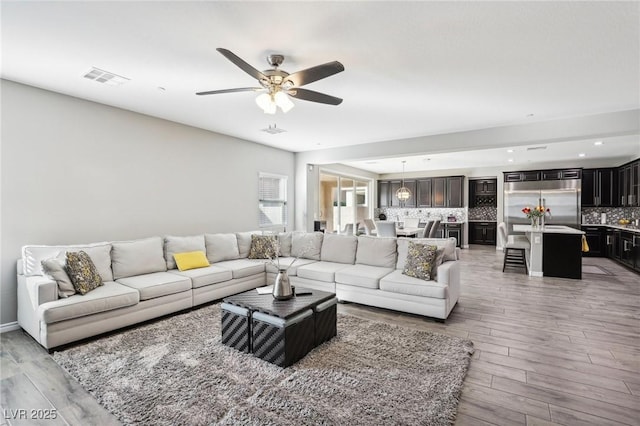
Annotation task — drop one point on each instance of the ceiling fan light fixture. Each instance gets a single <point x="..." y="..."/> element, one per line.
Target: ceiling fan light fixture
<point x="283" y="101"/>
<point x="267" y="104"/>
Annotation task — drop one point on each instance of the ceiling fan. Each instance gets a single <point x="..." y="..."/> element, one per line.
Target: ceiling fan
<point x="276" y="84"/>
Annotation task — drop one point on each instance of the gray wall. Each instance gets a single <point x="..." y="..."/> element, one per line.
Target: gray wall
<point x="75" y="171"/>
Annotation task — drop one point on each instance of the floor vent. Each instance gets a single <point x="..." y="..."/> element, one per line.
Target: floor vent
<point x="105" y="77"/>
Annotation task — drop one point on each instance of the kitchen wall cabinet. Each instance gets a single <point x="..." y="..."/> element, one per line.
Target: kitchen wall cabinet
<point x="483" y="193"/>
<point x="533" y="175"/>
<point x="482" y="233"/>
<point x="387" y="193"/>
<point x="599" y="187"/>
<point x="446" y="191"/>
<point x="424" y="192"/>
<point x="629" y="185"/>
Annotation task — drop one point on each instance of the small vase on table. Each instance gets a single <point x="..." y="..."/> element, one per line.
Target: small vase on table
<point x="534" y="222"/>
<point x="282" y="287"/>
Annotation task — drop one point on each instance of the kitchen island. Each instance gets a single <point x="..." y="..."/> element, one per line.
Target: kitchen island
<point x="556" y="251"/>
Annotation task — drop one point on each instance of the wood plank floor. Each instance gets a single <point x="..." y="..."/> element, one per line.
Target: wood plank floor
<point x="548" y="351"/>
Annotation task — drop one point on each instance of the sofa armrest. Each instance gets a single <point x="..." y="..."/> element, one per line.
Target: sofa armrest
<point x="33" y="292"/>
<point x="449" y="275"/>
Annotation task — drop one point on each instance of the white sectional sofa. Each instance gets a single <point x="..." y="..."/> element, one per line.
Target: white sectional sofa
<point x="141" y="281"/>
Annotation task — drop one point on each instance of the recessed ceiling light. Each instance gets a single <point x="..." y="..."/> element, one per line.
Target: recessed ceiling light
<point x="582" y="154"/>
<point x="509" y="150"/>
<point x="597" y="143"/>
<point x="510" y="160"/>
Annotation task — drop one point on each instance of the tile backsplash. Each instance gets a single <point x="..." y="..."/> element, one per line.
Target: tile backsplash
<point x="483" y="213"/>
<point x="593" y="215"/>
<point x="424" y="214"/>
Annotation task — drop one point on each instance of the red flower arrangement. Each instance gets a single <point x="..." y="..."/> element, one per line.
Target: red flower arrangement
<point x="537" y="211"/>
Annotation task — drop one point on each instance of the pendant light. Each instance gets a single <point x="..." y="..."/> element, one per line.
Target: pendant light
<point x="403" y="193"/>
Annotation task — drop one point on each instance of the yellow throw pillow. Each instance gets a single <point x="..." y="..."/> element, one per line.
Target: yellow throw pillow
<point x="191" y="260"/>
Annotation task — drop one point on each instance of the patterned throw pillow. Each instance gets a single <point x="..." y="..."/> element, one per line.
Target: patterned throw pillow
<point x="263" y="247"/>
<point x="420" y="261"/>
<point x="82" y="271"/>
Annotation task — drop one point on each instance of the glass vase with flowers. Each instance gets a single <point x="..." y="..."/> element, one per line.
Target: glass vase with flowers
<point x="536" y="215"/>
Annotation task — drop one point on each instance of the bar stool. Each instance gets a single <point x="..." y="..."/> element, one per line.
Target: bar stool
<point x="515" y="248"/>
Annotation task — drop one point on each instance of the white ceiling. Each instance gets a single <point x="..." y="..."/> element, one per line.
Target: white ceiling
<point x="412" y="68"/>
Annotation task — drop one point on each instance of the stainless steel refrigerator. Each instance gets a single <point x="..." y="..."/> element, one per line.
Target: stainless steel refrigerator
<point x="561" y="196"/>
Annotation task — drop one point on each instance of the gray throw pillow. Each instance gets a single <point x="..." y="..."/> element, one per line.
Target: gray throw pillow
<point x="420" y="261"/>
<point x="83" y="272"/>
<point x="54" y="268"/>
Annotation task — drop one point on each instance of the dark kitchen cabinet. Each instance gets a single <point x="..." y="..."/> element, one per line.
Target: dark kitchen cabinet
<point x="610" y="243"/>
<point x="629" y="185"/>
<point x="483" y="193"/>
<point x="424" y="192"/>
<point x="439" y="187"/>
<point x="626" y="249"/>
<point x="599" y="187"/>
<point x="533" y="175"/>
<point x="482" y="233"/>
<point x="446" y="191"/>
<point x="636" y="252"/>
<point x="596" y="240"/>
<point x="384" y="187"/>
<point x="454" y="231"/>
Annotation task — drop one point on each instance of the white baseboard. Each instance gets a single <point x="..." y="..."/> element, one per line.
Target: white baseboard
<point x="10" y="326"/>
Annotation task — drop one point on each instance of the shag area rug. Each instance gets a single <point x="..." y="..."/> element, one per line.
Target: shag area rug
<point x="177" y="372"/>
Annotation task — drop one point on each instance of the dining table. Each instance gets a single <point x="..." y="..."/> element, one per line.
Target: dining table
<point x="409" y="231"/>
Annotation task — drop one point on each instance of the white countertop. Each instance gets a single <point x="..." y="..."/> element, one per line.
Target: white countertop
<point x="548" y="229"/>
<point x="629" y="228"/>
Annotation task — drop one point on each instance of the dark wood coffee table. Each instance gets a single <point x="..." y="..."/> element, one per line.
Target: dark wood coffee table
<point x="278" y="331"/>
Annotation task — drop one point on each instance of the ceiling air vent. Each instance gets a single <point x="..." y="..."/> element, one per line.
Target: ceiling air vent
<point x="273" y="130"/>
<point x="105" y="77"/>
<point x="536" y="148"/>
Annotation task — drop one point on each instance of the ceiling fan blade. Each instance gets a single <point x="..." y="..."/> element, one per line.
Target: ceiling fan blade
<point x="241" y="89"/>
<point x="316" y="73"/>
<point x="242" y="64"/>
<point x="310" y="95"/>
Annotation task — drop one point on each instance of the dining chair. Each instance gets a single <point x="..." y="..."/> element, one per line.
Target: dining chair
<point x="411" y="222"/>
<point x="514" y="247"/>
<point x="386" y="229"/>
<point x="427" y="229"/>
<point x="348" y="229"/>
<point x="369" y="227"/>
<point x="434" y="229"/>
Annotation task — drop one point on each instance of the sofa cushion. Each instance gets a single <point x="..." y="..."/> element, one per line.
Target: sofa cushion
<point x="173" y="245"/>
<point x="82" y="272"/>
<point x="157" y="284"/>
<point x="284" y="239"/>
<point x="139" y="257"/>
<point x="104" y="298"/>
<point x="191" y="260"/>
<point x="241" y="268"/>
<point x="449" y="245"/>
<point x="221" y="247"/>
<point x="339" y="248"/>
<point x="421" y="259"/>
<point x="397" y="282"/>
<point x="285" y="263"/>
<point x="205" y="276"/>
<point x="100" y="254"/>
<point x="362" y="275"/>
<point x="244" y="243"/>
<point x="306" y="245"/>
<point x="320" y="271"/>
<point x="54" y="268"/>
<point x="263" y="247"/>
<point x="376" y="251"/>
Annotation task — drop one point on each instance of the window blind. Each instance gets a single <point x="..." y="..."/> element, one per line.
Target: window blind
<point x="272" y="200"/>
